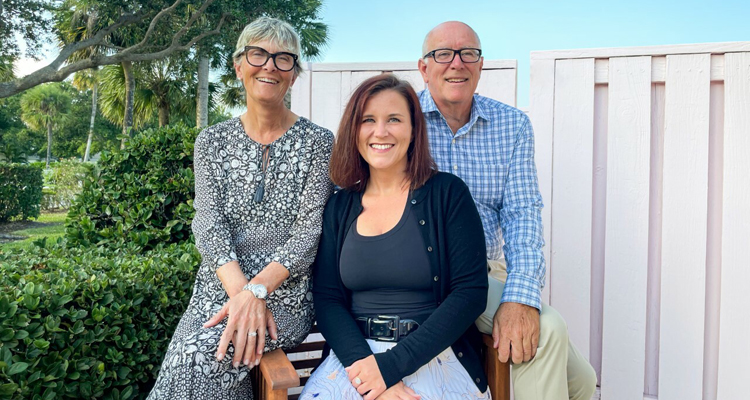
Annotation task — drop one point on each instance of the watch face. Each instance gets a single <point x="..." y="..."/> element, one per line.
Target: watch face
<point x="260" y="291"/>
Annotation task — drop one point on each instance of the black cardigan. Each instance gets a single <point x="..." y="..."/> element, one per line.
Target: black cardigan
<point x="453" y="234"/>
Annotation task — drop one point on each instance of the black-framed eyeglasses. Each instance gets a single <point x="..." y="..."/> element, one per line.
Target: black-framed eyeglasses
<point x="258" y="57"/>
<point x="446" y="56"/>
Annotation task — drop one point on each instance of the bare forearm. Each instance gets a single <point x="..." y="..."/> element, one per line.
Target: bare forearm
<point x="232" y="278"/>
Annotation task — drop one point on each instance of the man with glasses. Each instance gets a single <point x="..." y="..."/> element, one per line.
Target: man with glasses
<point x="490" y="145"/>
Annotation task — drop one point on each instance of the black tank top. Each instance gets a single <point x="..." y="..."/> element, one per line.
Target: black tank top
<point x="388" y="274"/>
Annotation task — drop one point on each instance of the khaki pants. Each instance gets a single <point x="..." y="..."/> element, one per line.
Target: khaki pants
<point x="558" y="371"/>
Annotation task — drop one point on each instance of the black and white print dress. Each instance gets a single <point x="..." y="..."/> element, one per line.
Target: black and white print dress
<point x="231" y="224"/>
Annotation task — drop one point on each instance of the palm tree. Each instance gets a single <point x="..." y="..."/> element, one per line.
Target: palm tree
<point x="164" y="89"/>
<point x="43" y="107"/>
<point x="79" y="20"/>
<point x="7" y="72"/>
<point x="85" y="80"/>
<point x="112" y="98"/>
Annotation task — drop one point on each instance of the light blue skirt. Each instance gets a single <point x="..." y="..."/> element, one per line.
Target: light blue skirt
<point x="442" y="378"/>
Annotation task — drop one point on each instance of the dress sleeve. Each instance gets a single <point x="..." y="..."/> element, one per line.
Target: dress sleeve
<point x="298" y="252"/>
<point x="210" y="227"/>
<point x="521" y="223"/>
<point x="467" y="262"/>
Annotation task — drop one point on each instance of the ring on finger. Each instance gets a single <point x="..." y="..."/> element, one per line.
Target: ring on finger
<point x="357" y="381"/>
<point x="252" y="333"/>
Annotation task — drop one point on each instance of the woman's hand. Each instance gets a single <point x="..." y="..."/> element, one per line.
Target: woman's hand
<point x="365" y="376"/>
<point x="399" y="391"/>
<point x="247" y="322"/>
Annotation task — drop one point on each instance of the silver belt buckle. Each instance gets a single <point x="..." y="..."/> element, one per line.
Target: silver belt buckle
<point x="390" y="323"/>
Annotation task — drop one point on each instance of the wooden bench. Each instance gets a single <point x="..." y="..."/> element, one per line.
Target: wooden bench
<point x="276" y="374"/>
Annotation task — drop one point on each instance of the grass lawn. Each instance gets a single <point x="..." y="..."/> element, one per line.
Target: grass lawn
<point x="50" y="225"/>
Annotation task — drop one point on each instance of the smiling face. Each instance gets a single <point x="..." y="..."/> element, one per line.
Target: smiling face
<point x="385" y="132"/>
<point x="266" y="84"/>
<point x="453" y="83"/>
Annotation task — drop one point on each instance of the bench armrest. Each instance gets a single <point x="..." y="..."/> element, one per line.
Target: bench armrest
<point x="278" y="372"/>
<point x="498" y="374"/>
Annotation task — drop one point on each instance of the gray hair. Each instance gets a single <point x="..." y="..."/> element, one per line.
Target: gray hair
<point x="273" y="30"/>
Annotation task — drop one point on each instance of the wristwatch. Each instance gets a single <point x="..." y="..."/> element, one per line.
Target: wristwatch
<point x="258" y="290"/>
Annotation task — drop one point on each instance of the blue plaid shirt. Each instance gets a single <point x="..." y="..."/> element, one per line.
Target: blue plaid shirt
<point x="494" y="154"/>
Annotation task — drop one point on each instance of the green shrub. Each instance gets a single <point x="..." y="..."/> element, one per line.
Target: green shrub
<point x="20" y="191"/>
<point x="89" y="323"/>
<point x="63" y="182"/>
<point x="140" y="196"/>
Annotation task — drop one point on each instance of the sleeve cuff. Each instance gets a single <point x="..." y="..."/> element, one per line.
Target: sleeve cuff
<point x="227" y="258"/>
<point x="388" y="368"/>
<point x="522" y="289"/>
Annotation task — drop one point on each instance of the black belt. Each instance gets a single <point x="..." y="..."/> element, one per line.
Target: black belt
<point x="386" y="328"/>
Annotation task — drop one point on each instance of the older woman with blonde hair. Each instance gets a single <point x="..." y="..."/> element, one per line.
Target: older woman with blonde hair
<point x="261" y="182"/>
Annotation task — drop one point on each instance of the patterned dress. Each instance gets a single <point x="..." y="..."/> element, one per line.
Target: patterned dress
<point x="231" y="224"/>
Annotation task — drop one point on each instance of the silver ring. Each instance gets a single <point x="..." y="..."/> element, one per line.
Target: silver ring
<point x="357" y="381"/>
<point x="252" y="334"/>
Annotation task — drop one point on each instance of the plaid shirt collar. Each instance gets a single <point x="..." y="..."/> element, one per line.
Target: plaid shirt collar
<point x="478" y="109"/>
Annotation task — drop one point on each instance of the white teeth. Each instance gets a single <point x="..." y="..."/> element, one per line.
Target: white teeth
<point x="456" y="80"/>
<point x="381" y="146"/>
<point x="266" y="80"/>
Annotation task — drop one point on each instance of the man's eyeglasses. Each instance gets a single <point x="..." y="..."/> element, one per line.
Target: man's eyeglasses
<point x="446" y="56"/>
<point x="258" y="57"/>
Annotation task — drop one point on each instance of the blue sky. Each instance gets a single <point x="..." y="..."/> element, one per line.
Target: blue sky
<point x="393" y="30"/>
<point x="389" y="30"/>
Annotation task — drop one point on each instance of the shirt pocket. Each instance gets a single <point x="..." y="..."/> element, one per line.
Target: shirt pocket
<point x="489" y="183"/>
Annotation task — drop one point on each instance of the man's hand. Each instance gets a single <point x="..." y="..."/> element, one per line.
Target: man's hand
<point x="515" y="332"/>
<point x="365" y="376"/>
<point x="399" y="391"/>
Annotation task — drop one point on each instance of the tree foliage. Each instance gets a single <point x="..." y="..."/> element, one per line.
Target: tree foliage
<point x="29" y="20"/>
<point x="115" y="31"/>
<point x="45" y="107"/>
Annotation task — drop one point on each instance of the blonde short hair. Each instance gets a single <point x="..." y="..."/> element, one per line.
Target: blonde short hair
<point x="273" y="30"/>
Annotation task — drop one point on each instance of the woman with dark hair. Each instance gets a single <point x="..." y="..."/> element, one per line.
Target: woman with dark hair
<point x="400" y="274"/>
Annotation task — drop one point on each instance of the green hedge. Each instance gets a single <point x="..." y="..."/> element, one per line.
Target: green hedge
<point x="63" y="182"/>
<point x="20" y="191"/>
<point x="89" y="323"/>
<point x="138" y="197"/>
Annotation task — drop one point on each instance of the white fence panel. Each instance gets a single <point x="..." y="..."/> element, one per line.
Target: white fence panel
<point x="325" y="102"/>
<point x="570" y="266"/>
<point x="684" y="227"/>
<point x="735" y="274"/>
<point x="626" y="249"/>
<point x="671" y="292"/>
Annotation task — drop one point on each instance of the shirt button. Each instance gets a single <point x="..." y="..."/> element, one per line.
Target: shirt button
<point x="413" y="202"/>
<point x="460" y="354"/>
<point x="429" y="248"/>
<point x="455" y="167"/>
<point x="421" y="222"/>
<point x="436" y="278"/>
<point x="453" y="141"/>
<point x="477" y="380"/>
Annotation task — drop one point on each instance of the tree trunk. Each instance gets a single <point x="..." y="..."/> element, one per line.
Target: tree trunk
<point x="127" y="121"/>
<point x="202" y="106"/>
<point x="163" y="115"/>
<point x="49" y="143"/>
<point x="93" y="118"/>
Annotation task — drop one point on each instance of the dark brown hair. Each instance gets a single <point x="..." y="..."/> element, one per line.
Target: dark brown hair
<point x="348" y="169"/>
